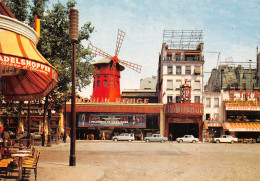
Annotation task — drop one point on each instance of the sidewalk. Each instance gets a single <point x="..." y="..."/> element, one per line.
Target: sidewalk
<point x="62" y="171"/>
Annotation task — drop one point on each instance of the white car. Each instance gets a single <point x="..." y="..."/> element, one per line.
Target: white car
<point x="187" y="138"/>
<point x="225" y="139"/>
<point x="124" y="137"/>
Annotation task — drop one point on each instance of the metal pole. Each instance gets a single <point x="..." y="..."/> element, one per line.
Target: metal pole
<point x="65" y="122"/>
<point x="73" y="111"/>
<point x="29" y="124"/>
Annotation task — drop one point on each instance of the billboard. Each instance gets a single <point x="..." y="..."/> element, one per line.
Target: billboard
<point x="115" y="120"/>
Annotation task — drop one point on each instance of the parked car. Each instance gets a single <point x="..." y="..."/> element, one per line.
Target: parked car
<point x="124" y="137"/>
<point x="225" y="139"/>
<point x="36" y="136"/>
<point x="156" y="138"/>
<point x="187" y="138"/>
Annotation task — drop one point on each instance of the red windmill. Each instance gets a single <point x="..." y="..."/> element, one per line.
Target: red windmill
<point x="106" y="86"/>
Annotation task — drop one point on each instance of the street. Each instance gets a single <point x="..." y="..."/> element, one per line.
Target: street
<point x="123" y="161"/>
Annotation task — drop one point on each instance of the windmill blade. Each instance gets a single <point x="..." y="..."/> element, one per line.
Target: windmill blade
<point x="98" y="51"/>
<point x="131" y="65"/>
<point x="119" y="41"/>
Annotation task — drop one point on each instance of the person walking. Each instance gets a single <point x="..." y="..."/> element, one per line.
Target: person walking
<point x="43" y="138"/>
<point x="170" y="138"/>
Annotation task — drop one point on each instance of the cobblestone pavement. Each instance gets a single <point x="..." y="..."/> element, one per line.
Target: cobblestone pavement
<point x="136" y="161"/>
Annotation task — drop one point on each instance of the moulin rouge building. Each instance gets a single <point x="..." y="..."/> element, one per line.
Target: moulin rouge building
<point x="106" y="113"/>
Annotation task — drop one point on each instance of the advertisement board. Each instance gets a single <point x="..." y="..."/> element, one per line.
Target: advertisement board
<point x="115" y="120"/>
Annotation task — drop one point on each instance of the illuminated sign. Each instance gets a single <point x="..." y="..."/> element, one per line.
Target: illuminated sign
<point x="248" y="94"/>
<point x="245" y="129"/>
<point x="240" y="107"/>
<point x="184" y="108"/>
<point x="118" y="100"/>
<point x="115" y="120"/>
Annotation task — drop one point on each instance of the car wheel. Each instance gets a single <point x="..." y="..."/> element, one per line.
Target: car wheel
<point x="162" y="141"/>
<point x="217" y="141"/>
<point x="115" y="140"/>
<point x="180" y="141"/>
<point x="232" y="142"/>
<point x="193" y="141"/>
<point x="147" y="140"/>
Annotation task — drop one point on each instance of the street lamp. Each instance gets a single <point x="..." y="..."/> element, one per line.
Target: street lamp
<point x="74" y="38"/>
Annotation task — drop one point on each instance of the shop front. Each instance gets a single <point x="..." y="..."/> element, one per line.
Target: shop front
<point x="212" y="129"/>
<point x="97" y="121"/>
<point x="242" y="119"/>
<point x="184" y="119"/>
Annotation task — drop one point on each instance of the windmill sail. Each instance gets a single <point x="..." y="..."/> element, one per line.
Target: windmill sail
<point x="119" y="41"/>
<point x="98" y="51"/>
<point x="131" y="65"/>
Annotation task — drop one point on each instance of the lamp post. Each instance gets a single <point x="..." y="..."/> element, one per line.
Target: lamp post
<point x="74" y="39"/>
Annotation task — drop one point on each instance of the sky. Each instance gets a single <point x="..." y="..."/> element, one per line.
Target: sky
<point x="230" y="30"/>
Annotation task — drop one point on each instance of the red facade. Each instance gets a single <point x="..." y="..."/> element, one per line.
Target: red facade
<point x="106" y="86"/>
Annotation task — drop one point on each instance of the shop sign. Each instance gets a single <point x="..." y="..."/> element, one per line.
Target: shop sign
<point x="22" y="63"/>
<point x="245" y="129"/>
<point x="214" y="124"/>
<point x="115" y="120"/>
<point x="54" y="121"/>
<point x="184" y="108"/>
<point x="245" y="108"/>
<point x="248" y="94"/>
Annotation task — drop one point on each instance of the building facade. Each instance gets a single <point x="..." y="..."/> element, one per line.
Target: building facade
<point x="180" y="63"/>
<point x="232" y="102"/>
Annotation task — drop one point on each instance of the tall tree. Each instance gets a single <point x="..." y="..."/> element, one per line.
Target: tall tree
<point x="55" y="46"/>
<point x="18" y="8"/>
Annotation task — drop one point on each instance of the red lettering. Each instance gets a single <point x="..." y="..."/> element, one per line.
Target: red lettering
<point x="248" y="93"/>
<point x="256" y="94"/>
<point x="241" y="93"/>
<point x="231" y="95"/>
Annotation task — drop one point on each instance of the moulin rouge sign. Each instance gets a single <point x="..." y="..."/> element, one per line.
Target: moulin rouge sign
<point x="118" y="100"/>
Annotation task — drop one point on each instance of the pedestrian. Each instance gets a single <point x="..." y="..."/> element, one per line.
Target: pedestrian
<point x="43" y="138"/>
<point x="170" y="138"/>
<point x="6" y="136"/>
<point x="103" y="136"/>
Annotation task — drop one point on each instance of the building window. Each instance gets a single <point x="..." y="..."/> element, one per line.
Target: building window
<point x="177" y="84"/>
<point x="112" y="83"/>
<point x="216" y="116"/>
<point x="169" y="99"/>
<point x="169" y="57"/>
<point x="208" y="102"/>
<point x="197" y="99"/>
<point x="178" y="99"/>
<point x="178" y="57"/>
<point x="216" y="102"/>
<point x="98" y="83"/>
<point x="169" y="69"/>
<point x="178" y="70"/>
<point x="169" y="84"/>
<point x="197" y="70"/>
<point x="197" y="85"/>
<point x="207" y="116"/>
<point x="105" y="83"/>
<point x="244" y="75"/>
<point x="187" y="70"/>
